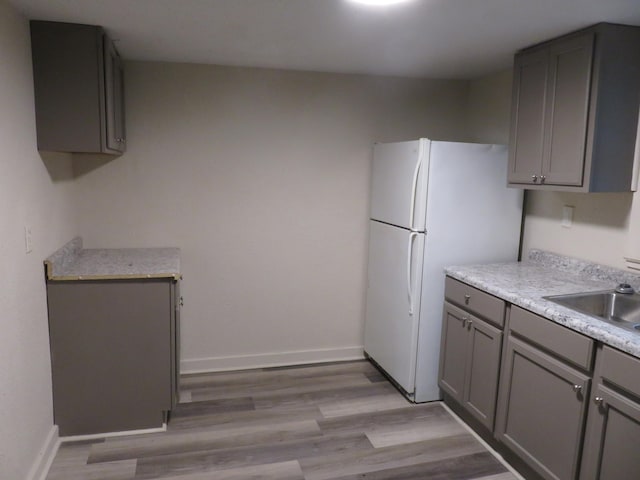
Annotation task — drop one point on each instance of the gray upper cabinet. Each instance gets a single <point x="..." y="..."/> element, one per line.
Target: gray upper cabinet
<point x="575" y="111"/>
<point x="79" y="89"/>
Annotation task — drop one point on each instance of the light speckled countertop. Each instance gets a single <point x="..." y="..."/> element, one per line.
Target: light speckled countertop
<point x="72" y="262"/>
<point x="543" y="274"/>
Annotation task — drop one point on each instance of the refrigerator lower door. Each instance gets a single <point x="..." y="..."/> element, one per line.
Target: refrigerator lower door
<point x="393" y="301"/>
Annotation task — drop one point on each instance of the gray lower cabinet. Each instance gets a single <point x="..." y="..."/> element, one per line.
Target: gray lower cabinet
<point x="613" y="429"/>
<point x="470" y="350"/>
<point x="559" y="414"/>
<point x="542" y="410"/>
<point x="542" y="400"/>
<point x="78" y="87"/>
<point x="114" y="353"/>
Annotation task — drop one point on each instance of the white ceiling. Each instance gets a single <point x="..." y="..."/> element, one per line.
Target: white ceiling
<point x="423" y="38"/>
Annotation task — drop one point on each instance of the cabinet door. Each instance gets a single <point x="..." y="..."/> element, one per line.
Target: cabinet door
<point x="526" y="140"/>
<point x="541" y="410"/>
<point x="614" y="436"/>
<point x="482" y="370"/>
<point x="453" y="351"/>
<point x="176" y="304"/>
<point x="114" y="98"/>
<point x="567" y="110"/>
<point x="110" y="351"/>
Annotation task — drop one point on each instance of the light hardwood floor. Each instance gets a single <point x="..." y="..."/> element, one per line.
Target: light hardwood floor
<point x="340" y="421"/>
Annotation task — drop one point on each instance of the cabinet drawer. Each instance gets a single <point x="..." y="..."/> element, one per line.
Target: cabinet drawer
<point x="475" y="301"/>
<point x="561" y="341"/>
<point x="621" y="369"/>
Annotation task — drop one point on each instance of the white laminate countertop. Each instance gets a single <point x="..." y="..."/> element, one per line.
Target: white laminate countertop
<point x="72" y="262"/>
<point x="543" y="274"/>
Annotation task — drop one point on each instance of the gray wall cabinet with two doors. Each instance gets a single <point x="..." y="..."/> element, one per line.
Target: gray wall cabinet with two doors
<point x="575" y="111"/>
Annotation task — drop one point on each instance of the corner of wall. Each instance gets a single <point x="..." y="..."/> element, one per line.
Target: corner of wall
<point x="40" y="467"/>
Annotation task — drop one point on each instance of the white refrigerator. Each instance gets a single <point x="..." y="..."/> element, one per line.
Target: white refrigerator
<point x="433" y="204"/>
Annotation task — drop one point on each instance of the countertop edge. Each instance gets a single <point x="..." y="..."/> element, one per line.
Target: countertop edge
<point x="174" y="276"/>
<point x="74" y="263"/>
<point x="624" y="340"/>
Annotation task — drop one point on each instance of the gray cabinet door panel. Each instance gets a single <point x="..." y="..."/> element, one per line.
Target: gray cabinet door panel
<point x="470" y="362"/>
<point x="482" y="371"/>
<point x="526" y="141"/>
<point x="110" y="354"/>
<point x="114" y="98"/>
<point x="453" y="351"/>
<point x="567" y="110"/>
<point x="616" y="424"/>
<point x="542" y="410"/>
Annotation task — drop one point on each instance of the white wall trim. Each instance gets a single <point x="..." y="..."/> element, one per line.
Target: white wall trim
<point x="279" y="359"/>
<point x="44" y="459"/>
<point x="124" y="433"/>
<point x="483" y="442"/>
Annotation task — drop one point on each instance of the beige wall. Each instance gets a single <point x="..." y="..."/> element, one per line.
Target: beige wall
<point x="489" y="108"/>
<point x="262" y="178"/>
<point x="606" y="227"/>
<point x="38" y="193"/>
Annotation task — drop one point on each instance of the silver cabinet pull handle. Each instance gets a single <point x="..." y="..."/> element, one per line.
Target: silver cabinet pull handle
<point x="469" y="323"/>
<point x="542" y="178"/>
<point x="598" y="401"/>
<point x="467" y="297"/>
<point x="534" y="178"/>
<point x="577" y="388"/>
<point x="464" y="322"/>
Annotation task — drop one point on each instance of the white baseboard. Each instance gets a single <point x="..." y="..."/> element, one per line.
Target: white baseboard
<point x="280" y="359"/>
<point x="47" y="453"/>
<point x="483" y="442"/>
<point x="125" y="433"/>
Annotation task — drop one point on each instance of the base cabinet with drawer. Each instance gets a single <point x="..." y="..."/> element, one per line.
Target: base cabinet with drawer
<point x="613" y="428"/>
<point x="470" y="350"/>
<point x="542" y="410"/>
<point x="556" y="403"/>
<point x="544" y="387"/>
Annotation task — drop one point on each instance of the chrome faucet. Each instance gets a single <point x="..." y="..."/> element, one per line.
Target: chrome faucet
<point x="624" y="288"/>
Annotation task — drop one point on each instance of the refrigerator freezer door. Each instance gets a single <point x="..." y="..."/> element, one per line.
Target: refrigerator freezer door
<point x="393" y="301"/>
<point x="398" y="183"/>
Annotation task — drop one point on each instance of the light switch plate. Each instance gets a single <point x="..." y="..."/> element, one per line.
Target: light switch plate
<point x="567" y="216"/>
<point x="28" y="239"/>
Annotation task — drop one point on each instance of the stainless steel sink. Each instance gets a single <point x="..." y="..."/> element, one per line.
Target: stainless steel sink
<point x="621" y="309"/>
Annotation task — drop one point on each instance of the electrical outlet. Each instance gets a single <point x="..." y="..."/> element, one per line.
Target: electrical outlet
<point x="28" y="239"/>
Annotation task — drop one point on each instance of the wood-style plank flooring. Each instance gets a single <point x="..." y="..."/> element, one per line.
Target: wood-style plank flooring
<point x="340" y="421"/>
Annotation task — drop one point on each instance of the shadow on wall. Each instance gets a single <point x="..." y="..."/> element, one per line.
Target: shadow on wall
<point x="63" y="167"/>
<point x="84" y="163"/>
<point x="605" y="209"/>
<point x="58" y="165"/>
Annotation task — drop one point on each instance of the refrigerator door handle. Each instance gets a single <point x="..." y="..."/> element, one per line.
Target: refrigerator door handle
<point x="412" y="235"/>
<point x="414" y="189"/>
